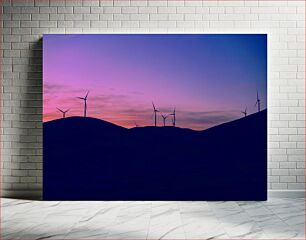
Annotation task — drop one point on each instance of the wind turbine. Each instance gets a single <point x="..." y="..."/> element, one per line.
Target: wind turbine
<point x="154" y="111"/>
<point x="244" y="112"/>
<point x="258" y="102"/>
<point x="63" y="112"/>
<point x="136" y="125"/>
<point x="174" y="119"/>
<point x="85" y="102"/>
<point x="164" y="119"/>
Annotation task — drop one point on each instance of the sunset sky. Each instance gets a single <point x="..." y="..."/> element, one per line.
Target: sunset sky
<point x="209" y="78"/>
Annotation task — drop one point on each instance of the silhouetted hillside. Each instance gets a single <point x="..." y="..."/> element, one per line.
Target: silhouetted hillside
<point x="75" y="125"/>
<point x="87" y="158"/>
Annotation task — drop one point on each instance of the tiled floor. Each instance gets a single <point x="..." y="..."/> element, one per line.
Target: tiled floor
<point x="274" y="219"/>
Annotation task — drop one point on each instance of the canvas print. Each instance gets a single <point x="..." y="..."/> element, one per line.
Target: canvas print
<point x="155" y="116"/>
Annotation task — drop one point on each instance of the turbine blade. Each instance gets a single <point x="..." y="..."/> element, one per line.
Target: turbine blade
<point x="87" y="94"/>
<point x="153" y="105"/>
<point x="60" y="110"/>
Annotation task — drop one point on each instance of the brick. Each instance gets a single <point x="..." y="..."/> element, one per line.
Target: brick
<point x="296" y="172"/>
<point x="279" y="186"/>
<point x="216" y="10"/>
<point x="11" y="179"/>
<point x="59" y="3"/>
<point x="81" y="9"/>
<point x="91" y="16"/>
<point x="41" y="17"/>
<point x="129" y="10"/>
<point x="300" y="179"/>
<point x="280" y="172"/>
<point x="75" y="16"/>
<point x="23" y="3"/>
<point x="21" y="31"/>
<point x="42" y="3"/>
<point x="176" y="17"/>
<point x="130" y="24"/>
<point x="221" y="24"/>
<point x="65" y="24"/>
<point x="193" y="17"/>
<point x="45" y="24"/>
<point x="231" y="3"/>
<point x="202" y="10"/>
<point x="139" y="17"/>
<point x="287" y="165"/>
<point x="288" y="179"/>
<point x="91" y="3"/>
<point x="147" y="9"/>
<point x="104" y="17"/>
<point x="96" y="10"/>
<point x="296" y="185"/>
<point x="81" y="24"/>
<point x="48" y="10"/>
<point x="160" y="17"/>
<point x="98" y="24"/>
<point x="29" y="24"/>
<point x="57" y="17"/>
<point x="28" y="179"/>
<point x="30" y="10"/>
<point x="111" y="10"/>
<point x="122" y="3"/>
<point x="121" y="17"/>
<point x="273" y="179"/>
<point x="74" y="3"/>
<point x="158" y="3"/>
<point x="185" y="9"/>
<point x="21" y="16"/>
<point x="167" y="24"/>
<point x="62" y="10"/>
<point x="139" y="3"/>
<point x="148" y="24"/>
<point x="166" y="10"/>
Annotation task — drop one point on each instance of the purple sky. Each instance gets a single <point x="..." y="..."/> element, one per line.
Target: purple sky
<point x="209" y="78"/>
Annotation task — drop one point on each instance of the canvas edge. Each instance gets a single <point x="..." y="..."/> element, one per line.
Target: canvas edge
<point x="37" y="194"/>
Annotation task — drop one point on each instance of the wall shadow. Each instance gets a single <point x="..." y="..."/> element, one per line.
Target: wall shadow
<point x="30" y="157"/>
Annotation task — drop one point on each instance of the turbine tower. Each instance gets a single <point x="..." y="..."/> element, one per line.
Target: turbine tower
<point x="174" y="119"/>
<point x="244" y="112"/>
<point x="155" y="111"/>
<point x="258" y="102"/>
<point x="85" y="103"/>
<point x="63" y="112"/>
<point x="136" y="125"/>
<point x="164" y="119"/>
<point x="172" y="122"/>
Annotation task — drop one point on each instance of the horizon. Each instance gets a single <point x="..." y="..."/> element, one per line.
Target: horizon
<point x="124" y="73"/>
<point x="160" y="126"/>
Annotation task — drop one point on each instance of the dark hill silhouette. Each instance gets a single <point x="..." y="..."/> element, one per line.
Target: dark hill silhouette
<point x="82" y="123"/>
<point x="87" y="158"/>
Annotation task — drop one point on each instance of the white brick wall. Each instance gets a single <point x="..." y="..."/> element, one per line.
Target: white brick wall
<point x="24" y="22"/>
